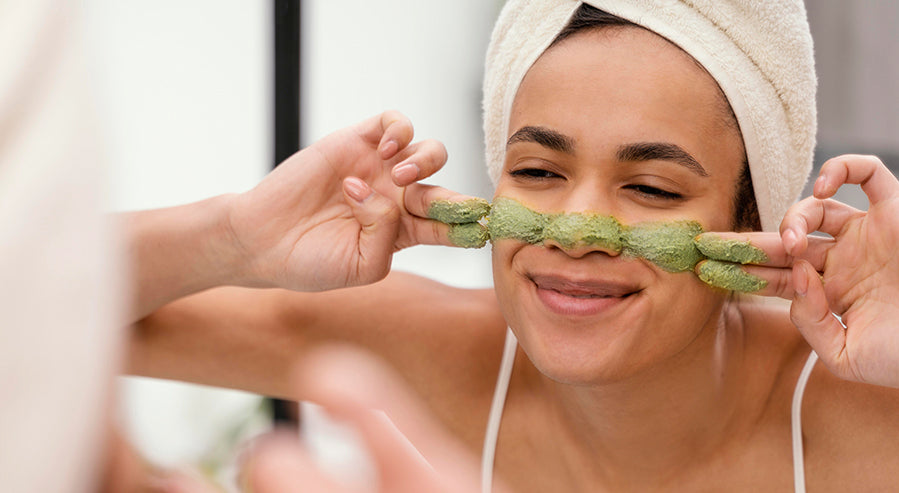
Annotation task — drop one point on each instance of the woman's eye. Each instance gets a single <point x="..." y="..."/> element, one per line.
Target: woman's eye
<point x="655" y="193"/>
<point x="533" y="173"/>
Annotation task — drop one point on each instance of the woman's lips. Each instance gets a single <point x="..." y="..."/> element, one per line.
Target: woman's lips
<point x="570" y="297"/>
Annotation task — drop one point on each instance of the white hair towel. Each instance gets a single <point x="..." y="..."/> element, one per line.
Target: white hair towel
<point x="759" y="52"/>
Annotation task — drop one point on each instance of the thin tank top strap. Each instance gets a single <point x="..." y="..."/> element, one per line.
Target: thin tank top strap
<point x="502" y="386"/>
<point x="796" y="424"/>
<point x="496" y="411"/>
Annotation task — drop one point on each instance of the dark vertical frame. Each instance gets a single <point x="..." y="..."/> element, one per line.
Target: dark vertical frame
<point x="287" y="123"/>
<point x="287" y="79"/>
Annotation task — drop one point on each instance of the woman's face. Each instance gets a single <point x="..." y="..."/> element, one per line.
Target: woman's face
<point x="618" y="122"/>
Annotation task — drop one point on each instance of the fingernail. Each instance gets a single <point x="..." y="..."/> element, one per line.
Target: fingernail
<point x="406" y="173"/>
<point x="800" y="280"/>
<point x="388" y="148"/>
<point x="820" y="187"/>
<point x="789" y="240"/>
<point x="357" y="189"/>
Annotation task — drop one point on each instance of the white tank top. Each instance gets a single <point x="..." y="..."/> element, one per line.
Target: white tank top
<point x="502" y="387"/>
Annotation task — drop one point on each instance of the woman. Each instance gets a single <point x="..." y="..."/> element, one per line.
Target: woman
<point x="619" y="375"/>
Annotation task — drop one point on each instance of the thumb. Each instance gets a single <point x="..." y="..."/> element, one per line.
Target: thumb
<point x="379" y="218"/>
<point x="811" y="314"/>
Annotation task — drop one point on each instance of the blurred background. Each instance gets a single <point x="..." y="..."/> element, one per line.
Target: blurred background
<point x="191" y="105"/>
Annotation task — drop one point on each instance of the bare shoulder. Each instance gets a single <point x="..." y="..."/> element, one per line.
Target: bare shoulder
<point x="851" y="432"/>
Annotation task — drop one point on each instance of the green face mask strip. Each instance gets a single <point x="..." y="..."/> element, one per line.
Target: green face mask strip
<point x="510" y="219"/>
<point x="573" y="229"/>
<point x="468" y="235"/>
<point x="666" y="244"/>
<point x="741" y="252"/>
<point x="730" y="276"/>
<point x="467" y="211"/>
<point x="675" y="246"/>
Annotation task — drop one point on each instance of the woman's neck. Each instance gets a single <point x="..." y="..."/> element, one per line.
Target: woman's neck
<point x="660" y="422"/>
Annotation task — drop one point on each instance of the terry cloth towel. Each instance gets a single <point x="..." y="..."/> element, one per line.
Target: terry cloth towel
<point x="759" y="52"/>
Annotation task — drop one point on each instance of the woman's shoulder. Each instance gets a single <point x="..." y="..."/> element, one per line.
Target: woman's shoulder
<point x="851" y="433"/>
<point x="850" y="430"/>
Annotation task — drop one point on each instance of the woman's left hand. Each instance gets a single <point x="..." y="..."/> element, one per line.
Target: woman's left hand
<point x="859" y="272"/>
<point x="853" y="274"/>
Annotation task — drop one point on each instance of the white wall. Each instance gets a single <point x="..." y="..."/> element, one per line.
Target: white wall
<point x="185" y="92"/>
<point x="423" y="58"/>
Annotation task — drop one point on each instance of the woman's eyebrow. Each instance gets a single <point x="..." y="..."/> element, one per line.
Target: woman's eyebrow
<point x="546" y="137"/>
<point x="666" y="151"/>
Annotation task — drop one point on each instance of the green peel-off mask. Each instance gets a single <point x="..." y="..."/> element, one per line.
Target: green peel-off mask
<point x="741" y="252"/>
<point x="468" y="235"/>
<point x="667" y="244"/>
<point x="730" y="276"/>
<point x="510" y="219"/>
<point x="466" y="211"/>
<point x="576" y="228"/>
<point x="676" y="246"/>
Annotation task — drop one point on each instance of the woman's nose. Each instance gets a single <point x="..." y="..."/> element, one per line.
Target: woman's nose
<point x="578" y="234"/>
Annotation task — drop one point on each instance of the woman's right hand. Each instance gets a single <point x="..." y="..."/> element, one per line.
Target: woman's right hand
<point x="333" y="214"/>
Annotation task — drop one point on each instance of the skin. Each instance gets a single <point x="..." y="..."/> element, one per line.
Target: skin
<point x="604" y="104"/>
<point x="597" y="398"/>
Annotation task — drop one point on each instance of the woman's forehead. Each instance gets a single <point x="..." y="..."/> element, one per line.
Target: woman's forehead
<point x="622" y="73"/>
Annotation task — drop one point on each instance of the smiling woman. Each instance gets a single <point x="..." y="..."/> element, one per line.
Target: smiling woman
<point x="610" y="141"/>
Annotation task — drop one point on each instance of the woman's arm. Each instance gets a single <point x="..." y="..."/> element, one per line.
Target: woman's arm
<point x="330" y="216"/>
<point x="250" y="338"/>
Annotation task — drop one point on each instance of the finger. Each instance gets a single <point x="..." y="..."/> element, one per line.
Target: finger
<point x="379" y="219"/>
<point x="811" y="314"/>
<point x="874" y="177"/>
<point x="810" y="215"/>
<point x="444" y="206"/>
<point x="773" y="247"/>
<point x="350" y="383"/>
<point x="419" y="161"/>
<point x="779" y="280"/>
<point x="420" y="200"/>
<point x="279" y="464"/>
<point x="391" y="130"/>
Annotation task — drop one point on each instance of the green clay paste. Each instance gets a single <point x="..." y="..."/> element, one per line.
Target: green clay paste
<point x="741" y="252"/>
<point x="666" y="244"/>
<point x="676" y="246"/>
<point x="574" y="229"/>
<point x="510" y="219"/>
<point x="466" y="211"/>
<point x="468" y="235"/>
<point x="730" y="276"/>
<point x="669" y="245"/>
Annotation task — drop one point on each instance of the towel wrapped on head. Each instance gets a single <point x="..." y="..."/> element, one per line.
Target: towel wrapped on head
<point x="758" y="51"/>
